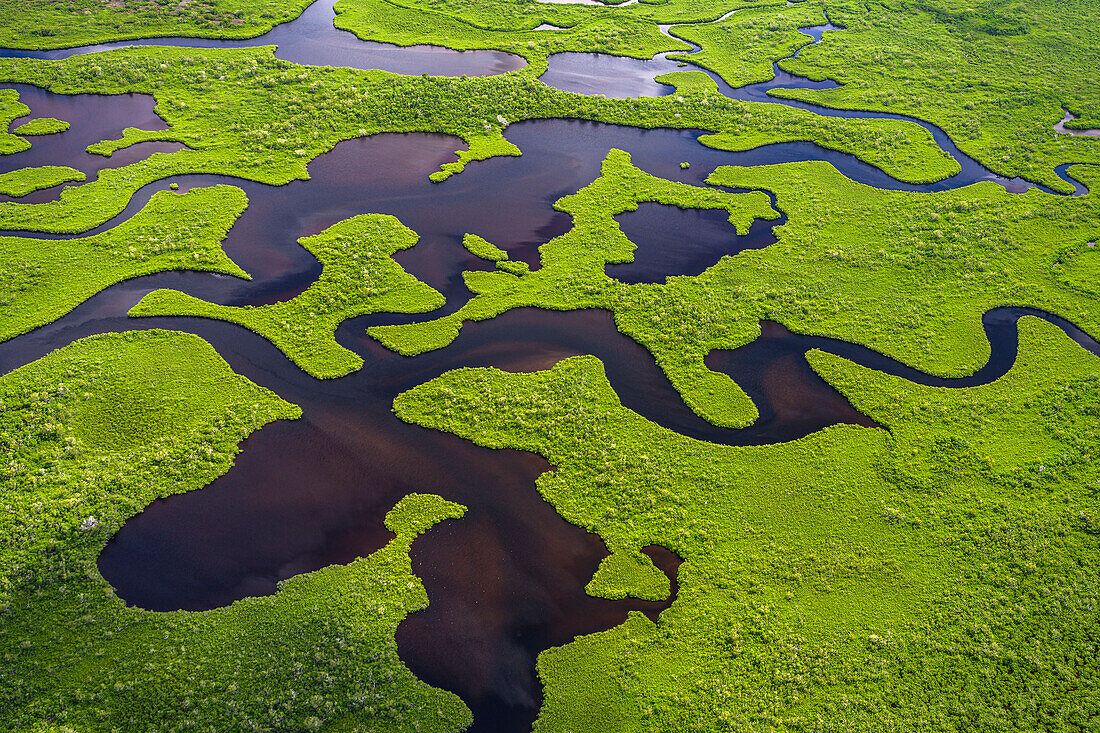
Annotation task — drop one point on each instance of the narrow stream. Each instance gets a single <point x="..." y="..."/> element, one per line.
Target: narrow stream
<point x="313" y="40"/>
<point x="621" y="77"/>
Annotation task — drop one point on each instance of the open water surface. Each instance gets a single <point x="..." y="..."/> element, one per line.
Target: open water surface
<point x="675" y="241"/>
<point x="505" y="582"/>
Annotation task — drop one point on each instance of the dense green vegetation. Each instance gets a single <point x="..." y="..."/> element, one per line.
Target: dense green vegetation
<point x="572" y="276"/>
<point x="581" y="28"/>
<point x="244" y="113"/>
<point x="11" y="109"/>
<point x="43" y="279"/>
<point x="91" y="434"/>
<point x="629" y="573"/>
<point x="26" y="180"/>
<point x="519" y="27"/>
<point x="742" y="48"/>
<point x="359" y="277"/>
<point x="42" y="126"/>
<point x="938" y="576"/>
<point x="479" y="247"/>
<point x="908" y="274"/>
<point x="994" y="75"/>
<point x="51" y="24"/>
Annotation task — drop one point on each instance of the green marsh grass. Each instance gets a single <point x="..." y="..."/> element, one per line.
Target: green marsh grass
<point x="319" y="653"/>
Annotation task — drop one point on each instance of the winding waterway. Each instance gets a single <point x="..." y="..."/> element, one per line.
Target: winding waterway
<point x="312" y="39"/>
<point x="507" y="581"/>
<point x="622" y="77"/>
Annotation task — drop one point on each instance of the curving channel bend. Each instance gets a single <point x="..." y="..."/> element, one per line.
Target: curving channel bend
<point x="312" y="39"/>
<point x="617" y="76"/>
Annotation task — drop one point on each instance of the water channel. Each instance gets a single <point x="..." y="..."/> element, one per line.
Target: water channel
<point x="505" y="582"/>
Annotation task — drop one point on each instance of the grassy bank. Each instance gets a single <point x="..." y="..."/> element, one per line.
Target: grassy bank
<point x="43" y="279"/>
<point x="907" y="274"/>
<point x="854" y="580"/>
<point x="359" y="277"/>
<point x="572" y="277"/>
<point x="41" y="24"/>
<point x="319" y="654"/>
<point x="27" y="180"/>
<point x="244" y="113"/>
<point x="11" y="109"/>
<point x="995" y="76"/>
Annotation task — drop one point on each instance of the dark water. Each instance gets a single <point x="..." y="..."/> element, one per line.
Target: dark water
<point x="313" y="40"/>
<point x="675" y="241"/>
<point x="619" y="78"/>
<point x="507" y="200"/>
<point x="94" y="117"/>
<point x="506" y="581"/>
<point x="750" y="364"/>
<point x="773" y="370"/>
<point x="311" y="493"/>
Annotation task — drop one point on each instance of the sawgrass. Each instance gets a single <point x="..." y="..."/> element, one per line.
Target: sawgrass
<point x="43" y="279"/>
<point x="243" y="113"/>
<point x="46" y="24"/>
<point x="27" y="180"/>
<point x="572" y="277"/>
<point x="42" y="126"/>
<point x="906" y="273"/>
<point x="995" y="76"/>
<point x="11" y="109"/>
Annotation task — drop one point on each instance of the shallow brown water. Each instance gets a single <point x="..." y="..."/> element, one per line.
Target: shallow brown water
<point x="93" y="117"/>
<point x="504" y="583"/>
<point x="1061" y="127"/>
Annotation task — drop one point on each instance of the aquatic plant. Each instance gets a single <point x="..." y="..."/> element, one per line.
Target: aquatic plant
<point x="742" y="48"/>
<point x="27" y="180"/>
<point x="42" y="126"/>
<point x="43" y="279"/>
<point x="479" y="247"/>
<point x="572" y="277"/>
<point x="906" y="273"/>
<point x="997" y="94"/>
<point x="244" y="113"/>
<point x="43" y="24"/>
<point x="11" y="109"/>
<point x="936" y="574"/>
